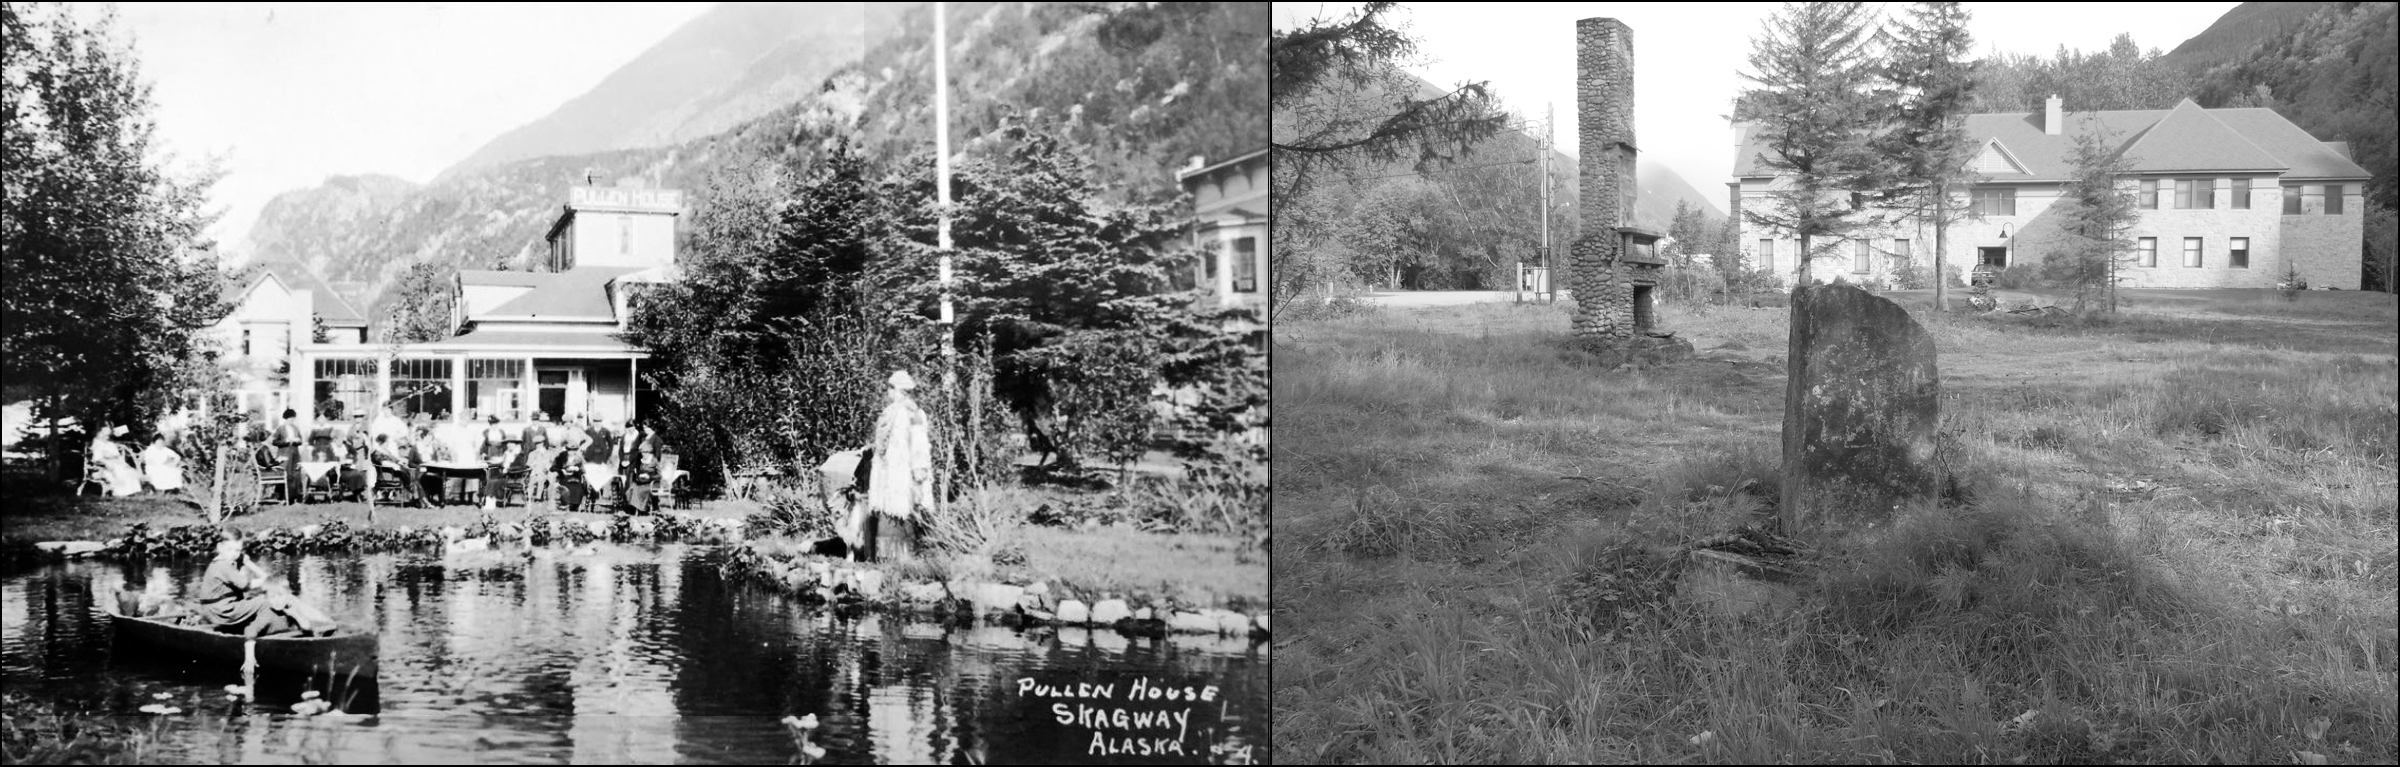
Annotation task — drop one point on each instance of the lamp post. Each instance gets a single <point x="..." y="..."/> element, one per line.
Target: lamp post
<point x="2007" y="252"/>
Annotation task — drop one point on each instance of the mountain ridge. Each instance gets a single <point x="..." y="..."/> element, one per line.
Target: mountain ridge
<point x="1142" y="87"/>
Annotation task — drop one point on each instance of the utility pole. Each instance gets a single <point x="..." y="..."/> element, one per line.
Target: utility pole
<point x="1549" y="293"/>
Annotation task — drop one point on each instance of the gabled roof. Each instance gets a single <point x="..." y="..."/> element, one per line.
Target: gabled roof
<point x="1995" y="159"/>
<point x="328" y="305"/>
<point x="1185" y="175"/>
<point x="2188" y="138"/>
<point x="552" y="342"/>
<point x="2184" y="139"/>
<point x="579" y="293"/>
<point x="505" y="279"/>
<point x="2308" y="157"/>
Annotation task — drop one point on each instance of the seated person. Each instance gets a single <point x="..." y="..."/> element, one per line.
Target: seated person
<point x="162" y="467"/>
<point x="358" y="464"/>
<point x="391" y="458"/>
<point x="114" y="463"/>
<point x="234" y="598"/>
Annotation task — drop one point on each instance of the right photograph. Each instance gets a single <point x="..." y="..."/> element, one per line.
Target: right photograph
<point x="1805" y="383"/>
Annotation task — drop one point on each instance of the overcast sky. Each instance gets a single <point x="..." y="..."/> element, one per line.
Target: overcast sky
<point x="1686" y="56"/>
<point x="289" y="94"/>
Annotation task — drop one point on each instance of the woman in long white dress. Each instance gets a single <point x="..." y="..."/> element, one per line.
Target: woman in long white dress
<point x="162" y="466"/>
<point x="116" y="463"/>
<point x="900" y="477"/>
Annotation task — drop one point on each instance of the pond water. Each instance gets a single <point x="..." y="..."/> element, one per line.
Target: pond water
<point x="636" y="655"/>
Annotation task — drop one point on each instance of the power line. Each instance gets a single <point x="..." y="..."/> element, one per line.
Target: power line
<point x="1444" y="170"/>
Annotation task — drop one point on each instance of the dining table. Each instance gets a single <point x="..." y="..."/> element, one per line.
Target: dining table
<point x="462" y="471"/>
<point x="315" y="471"/>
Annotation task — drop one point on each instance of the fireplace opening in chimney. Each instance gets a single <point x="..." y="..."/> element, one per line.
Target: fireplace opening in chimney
<point x="1644" y="317"/>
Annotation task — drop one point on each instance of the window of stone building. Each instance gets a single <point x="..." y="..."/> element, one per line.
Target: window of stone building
<point x="1995" y="201"/>
<point x="2291" y="200"/>
<point x="2195" y="193"/>
<point x="2333" y="199"/>
<point x="2238" y="255"/>
<point x="245" y="342"/>
<point x="2149" y="198"/>
<point x="2148" y="248"/>
<point x="2191" y="251"/>
<point x="1766" y="254"/>
<point x="2241" y="194"/>
<point x="1864" y="262"/>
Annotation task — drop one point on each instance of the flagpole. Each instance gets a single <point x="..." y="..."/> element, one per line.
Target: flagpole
<point x="941" y="164"/>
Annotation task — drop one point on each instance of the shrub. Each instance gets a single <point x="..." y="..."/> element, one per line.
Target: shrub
<point x="2020" y="276"/>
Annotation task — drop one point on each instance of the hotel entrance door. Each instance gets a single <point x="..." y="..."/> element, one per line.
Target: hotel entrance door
<point x="554" y="397"/>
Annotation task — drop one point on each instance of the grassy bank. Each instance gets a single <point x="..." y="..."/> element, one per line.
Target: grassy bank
<point x="2177" y="544"/>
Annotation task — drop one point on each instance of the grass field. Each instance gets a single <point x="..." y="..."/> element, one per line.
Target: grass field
<point x="2175" y="544"/>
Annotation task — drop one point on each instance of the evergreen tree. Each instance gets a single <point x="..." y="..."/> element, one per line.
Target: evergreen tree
<point x="420" y="311"/>
<point x="2099" y="221"/>
<point x="1338" y="100"/>
<point x="1930" y="85"/>
<point x="108" y="287"/>
<point x="1811" y="69"/>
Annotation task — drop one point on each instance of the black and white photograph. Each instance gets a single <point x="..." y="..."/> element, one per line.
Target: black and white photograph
<point x="1930" y="382"/>
<point x="710" y="383"/>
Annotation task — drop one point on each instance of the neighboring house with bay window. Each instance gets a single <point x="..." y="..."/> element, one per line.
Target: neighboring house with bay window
<point x="2227" y="198"/>
<point x="1229" y="226"/>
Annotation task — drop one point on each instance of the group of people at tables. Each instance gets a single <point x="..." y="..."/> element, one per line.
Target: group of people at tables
<point x="123" y="467"/>
<point x="565" y="460"/>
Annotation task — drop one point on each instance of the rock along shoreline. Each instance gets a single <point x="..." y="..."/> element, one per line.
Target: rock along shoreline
<point x="811" y="579"/>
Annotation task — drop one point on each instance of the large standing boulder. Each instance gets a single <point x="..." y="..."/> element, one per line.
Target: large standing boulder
<point x="1859" y="410"/>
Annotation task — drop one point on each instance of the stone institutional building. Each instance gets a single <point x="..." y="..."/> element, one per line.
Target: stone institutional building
<point x="2228" y="198"/>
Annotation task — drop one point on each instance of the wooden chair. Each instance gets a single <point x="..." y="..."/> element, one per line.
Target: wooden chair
<point x="515" y="481"/>
<point x="271" y="476"/>
<point x="95" y="476"/>
<point x="391" y="484"/>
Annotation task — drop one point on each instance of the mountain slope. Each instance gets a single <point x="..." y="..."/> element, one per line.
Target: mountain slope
<point x="1146" y="87"/>
<point x="759" y="55"/>
<point x="2236" y="31"/>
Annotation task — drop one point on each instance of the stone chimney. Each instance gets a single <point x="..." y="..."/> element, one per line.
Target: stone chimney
<point x="1612" y="293"/>
<point x="2051" y="122"/>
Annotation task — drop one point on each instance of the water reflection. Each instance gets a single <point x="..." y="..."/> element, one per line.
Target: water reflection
<point x="625" y="656"/>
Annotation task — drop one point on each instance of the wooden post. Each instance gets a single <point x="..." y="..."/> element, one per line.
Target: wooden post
<point x="458" y="389"/>
<point x="216" y="504"/>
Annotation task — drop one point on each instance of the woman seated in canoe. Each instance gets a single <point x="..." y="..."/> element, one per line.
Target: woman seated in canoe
<point x="234" y="598"/>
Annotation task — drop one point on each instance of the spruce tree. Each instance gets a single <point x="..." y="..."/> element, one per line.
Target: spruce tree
<point x="1929" y="87"/>
<point x="1811" y="70"/>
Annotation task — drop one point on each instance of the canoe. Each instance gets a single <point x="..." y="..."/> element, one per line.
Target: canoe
<point x="341" y="654"/>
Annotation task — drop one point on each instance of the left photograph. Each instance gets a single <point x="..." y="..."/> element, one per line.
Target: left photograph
<point x="656" y="383"/>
